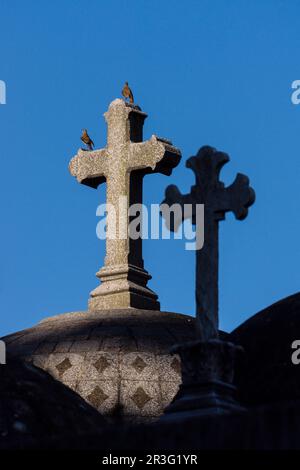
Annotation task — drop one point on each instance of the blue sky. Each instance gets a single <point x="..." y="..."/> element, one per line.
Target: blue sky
<point x="207" y="72"/>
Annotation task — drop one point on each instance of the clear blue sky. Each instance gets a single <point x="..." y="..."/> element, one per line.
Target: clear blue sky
<point x="207" y="72"/>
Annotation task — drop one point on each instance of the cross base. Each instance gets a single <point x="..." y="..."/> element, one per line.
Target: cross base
<point x="123" y="286"/>
<point x="207" y="376"/>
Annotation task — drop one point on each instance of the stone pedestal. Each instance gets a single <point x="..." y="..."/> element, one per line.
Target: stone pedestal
<point x="124" y="286"/>
<point x="207" y="380"/>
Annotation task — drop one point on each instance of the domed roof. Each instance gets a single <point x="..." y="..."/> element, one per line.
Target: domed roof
<point x="117" y="360"/>
<point x="266" y="373"/>
<point x="35" y="407"/>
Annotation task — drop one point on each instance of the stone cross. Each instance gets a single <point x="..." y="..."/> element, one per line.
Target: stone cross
<point x="217" y="200"/>
<point x="122" y="164"/>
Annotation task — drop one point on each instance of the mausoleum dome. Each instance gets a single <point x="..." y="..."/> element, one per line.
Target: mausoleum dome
<point x="117" y="360"/>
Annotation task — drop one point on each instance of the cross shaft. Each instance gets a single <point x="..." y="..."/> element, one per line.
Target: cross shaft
<point x="217" y="200"/>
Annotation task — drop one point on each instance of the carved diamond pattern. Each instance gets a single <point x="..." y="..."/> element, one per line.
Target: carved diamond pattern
<point x="63" y="366"/>
<point x="139" y="364"/>
<point x="140" y="398"/>
<point x="101" y="364"/>
<point x="97" y="397"/>
<point x="176" y="365"/>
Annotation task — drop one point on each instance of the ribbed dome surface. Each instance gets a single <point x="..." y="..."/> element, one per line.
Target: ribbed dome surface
<point x="117" y="360"/>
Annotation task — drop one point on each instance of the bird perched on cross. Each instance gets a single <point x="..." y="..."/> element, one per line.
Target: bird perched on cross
<point x="127" y="93"/>
<point x="87" y="140"/>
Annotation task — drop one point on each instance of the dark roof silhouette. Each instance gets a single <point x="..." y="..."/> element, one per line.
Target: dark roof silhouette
<point x="36" y="410"/>
<point x="266" y="373"/>
<point x="34" y="406"/>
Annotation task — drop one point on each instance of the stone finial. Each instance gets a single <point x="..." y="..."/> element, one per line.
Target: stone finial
<point x="123" y="163"/>
<point x="208" y="363"/>
<point x="217" y="200"/>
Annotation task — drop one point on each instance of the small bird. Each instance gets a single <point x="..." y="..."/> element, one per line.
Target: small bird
<point x="127" y="93"/>
<point x="87" y="140"/>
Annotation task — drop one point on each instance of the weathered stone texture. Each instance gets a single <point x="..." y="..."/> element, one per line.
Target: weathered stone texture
<point x="117" y="360"/>
<point x="123" y="163"/>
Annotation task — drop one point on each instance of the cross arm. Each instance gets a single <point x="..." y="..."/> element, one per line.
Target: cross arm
<point x="237" y="197"/>
<point x="90" y="168"/>
<point x="154" y="156"/>
<point x="209" y="190"/>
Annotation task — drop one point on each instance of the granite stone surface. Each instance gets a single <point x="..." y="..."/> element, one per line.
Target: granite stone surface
<point x="117" y="360"/>
<point x="122" y="164"/>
